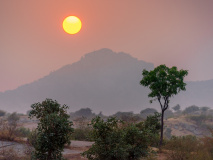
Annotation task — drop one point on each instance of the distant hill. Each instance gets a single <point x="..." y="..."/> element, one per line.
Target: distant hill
<point x="103" y="81"/>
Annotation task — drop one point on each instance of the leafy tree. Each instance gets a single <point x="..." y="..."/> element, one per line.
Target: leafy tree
<point x="164" y="83"/>
<point x="54" y="129"/>
<point x="176" y="108"/>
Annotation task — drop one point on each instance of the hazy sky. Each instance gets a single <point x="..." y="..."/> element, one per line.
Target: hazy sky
<point x="171" y="32"/>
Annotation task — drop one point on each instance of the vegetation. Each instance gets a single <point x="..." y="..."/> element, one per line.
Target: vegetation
<point x="164" y="83"/>
<point x="189" y="148"/>
<point x="115" y="139"/>
<point x="54" y="130"/>
<point x="176" y="108"/>
<point x="191" y="109"/>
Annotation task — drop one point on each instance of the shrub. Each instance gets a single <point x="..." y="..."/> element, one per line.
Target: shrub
<point x="116" y="140"/>
<point x="81" y="134"/>
<point x="23" y="132"/>
<point x="32" y="137"/>
<point x="181" y="148"/>
<point x="53" y="131"/>
<point x="8" y="127"/>
<point x="199" y="119"/>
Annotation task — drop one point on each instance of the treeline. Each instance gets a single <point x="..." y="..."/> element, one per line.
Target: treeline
<point x="130" y="116"/>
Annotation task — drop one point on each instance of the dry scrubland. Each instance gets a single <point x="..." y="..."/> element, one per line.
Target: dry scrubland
<point x="191" y="128"/>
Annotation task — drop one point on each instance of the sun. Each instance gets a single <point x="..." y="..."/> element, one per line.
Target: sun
<point x="72" y="25"/>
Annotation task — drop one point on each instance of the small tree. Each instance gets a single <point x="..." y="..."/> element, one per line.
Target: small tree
<point x="164" y="83"/>
<point x="54" y="129"/>
<point x="176" y="108"/>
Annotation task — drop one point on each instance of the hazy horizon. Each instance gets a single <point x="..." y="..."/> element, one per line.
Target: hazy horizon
<point x="33" y="43"/>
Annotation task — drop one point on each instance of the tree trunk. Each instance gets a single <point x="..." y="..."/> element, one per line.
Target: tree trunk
<point x="161" y="130"/>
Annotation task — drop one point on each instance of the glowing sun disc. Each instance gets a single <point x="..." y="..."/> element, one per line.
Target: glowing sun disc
<point x="72" y="25"/>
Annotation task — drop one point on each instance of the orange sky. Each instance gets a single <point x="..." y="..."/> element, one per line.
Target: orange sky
<point x="171" y="32"/>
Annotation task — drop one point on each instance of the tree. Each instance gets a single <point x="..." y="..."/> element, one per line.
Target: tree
<point x="191" y="109"/>
<point x="53" y="131"/>
<point x="176" y="108"/>
<point x="148" y="111"/>
<point x="164" y="83"/>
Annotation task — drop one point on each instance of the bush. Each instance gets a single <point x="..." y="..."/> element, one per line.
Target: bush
<point x="181" y="148"/>
<point x="81" y="134"/>
<point x="116" y="140"/>
<point x="8" y="127"/>
<point x="32" y="137"/>
<point x="199" y="119"/>
<point x="190" y="148"/>
<point x="23" y="132"/>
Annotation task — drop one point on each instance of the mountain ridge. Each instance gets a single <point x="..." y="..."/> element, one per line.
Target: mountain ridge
<point x="102" y="80"/>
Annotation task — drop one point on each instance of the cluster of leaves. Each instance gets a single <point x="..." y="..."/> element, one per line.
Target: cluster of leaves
<point x="54" y="129"/>
<point x="116" y="140"/>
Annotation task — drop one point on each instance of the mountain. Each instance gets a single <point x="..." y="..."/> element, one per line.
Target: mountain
<point x="103" y="81"/>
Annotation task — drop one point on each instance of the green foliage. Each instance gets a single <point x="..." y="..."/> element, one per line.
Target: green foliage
<point x="54" y="129"/>
<point x="152" y="124"/>
<point x="108" y="138"/>
<point x="164" y="83"/>
<point x="116" y="140"/>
